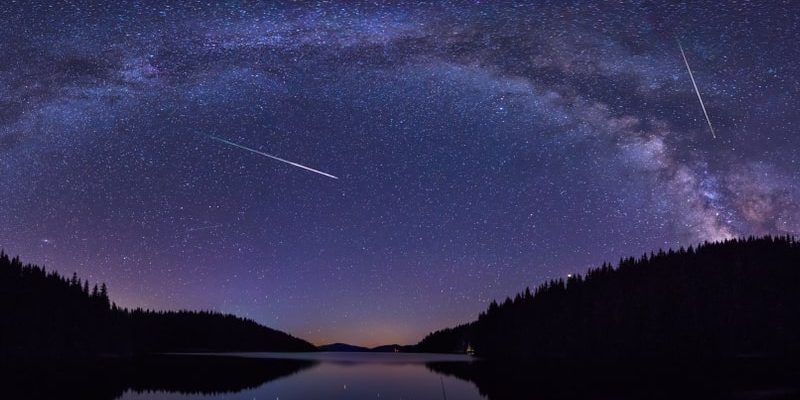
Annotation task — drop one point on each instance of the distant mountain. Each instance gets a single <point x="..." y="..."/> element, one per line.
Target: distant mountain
<point x="719" y="300"/>
<point x="343" y="347"/>
<point x="394" y="348"/>
<point x="46" y="316"/>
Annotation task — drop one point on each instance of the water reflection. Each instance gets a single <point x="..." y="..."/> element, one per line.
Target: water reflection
<point x="348" y="376"/>
<point x="733" y="380"/>
<point x="360" y="376"/>
<point x="186" y="376"/>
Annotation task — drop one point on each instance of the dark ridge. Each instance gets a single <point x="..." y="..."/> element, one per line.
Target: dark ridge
<point x="733" y="299"/>
<point x="44" y="316"/>
<point x="343" y="347"/>
<point x="394" y="348"/>
<point x="349" y="348"/>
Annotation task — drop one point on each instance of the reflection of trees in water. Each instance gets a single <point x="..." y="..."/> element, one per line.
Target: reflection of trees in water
<point x="180" y="374"/>
<point x="737" y="380"/>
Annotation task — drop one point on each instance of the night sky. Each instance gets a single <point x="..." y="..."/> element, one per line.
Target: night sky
<point x="479" y="149"/>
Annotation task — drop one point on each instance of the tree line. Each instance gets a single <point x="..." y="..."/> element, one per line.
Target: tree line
<point x="737" y="298"/>
<point x="44" y="315"/>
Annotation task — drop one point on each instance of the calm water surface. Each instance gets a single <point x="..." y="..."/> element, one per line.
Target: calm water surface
<point x="353" y="376"/>
<point x="359" y="376"/>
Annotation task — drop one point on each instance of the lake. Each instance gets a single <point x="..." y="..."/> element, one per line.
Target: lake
<point x="353" y="376"/>
<point x="360" y="376"/>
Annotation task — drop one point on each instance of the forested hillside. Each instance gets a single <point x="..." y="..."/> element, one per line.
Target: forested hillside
<point x="730" y="299"/>
<point x="46" y="316"/>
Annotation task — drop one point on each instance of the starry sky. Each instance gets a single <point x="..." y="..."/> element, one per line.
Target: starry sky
<point x="481" y="147"/>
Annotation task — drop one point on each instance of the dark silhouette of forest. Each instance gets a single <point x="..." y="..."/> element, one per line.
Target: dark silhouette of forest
<point x="729" y="300"/>
<point x="44" y="316"/>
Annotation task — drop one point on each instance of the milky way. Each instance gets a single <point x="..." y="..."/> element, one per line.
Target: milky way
<point x="480" y="148"/>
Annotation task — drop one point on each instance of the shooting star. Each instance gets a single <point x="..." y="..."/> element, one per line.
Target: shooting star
<point x="703" y="106"/>
<point x="203" y="228"/>
<point x="273" y="157"/>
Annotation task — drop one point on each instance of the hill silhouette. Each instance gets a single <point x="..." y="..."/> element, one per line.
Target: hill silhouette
<point x="733" y="299"/>
<point x="349" y="348"/>
<point x="47" y="316"/>
<point x="343" y="347"/>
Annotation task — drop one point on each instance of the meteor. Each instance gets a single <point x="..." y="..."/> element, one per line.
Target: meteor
<point x="691" y="75"/>
<point x="202" y="228"/>
<point x="272" y="157"/>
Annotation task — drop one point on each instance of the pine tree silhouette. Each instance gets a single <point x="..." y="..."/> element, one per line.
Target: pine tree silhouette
<point x="729" y="299"/>
<point x="46" y="316"/>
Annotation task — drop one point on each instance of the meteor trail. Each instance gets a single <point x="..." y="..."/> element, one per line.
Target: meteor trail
<point x="685" y="61"/>
<point x="272" y="157"/>
<point x="202" y="228"/>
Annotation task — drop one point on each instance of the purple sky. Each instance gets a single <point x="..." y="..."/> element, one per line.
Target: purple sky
<point x="480" y="149"/>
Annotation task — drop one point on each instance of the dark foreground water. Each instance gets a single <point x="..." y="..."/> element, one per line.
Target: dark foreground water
<point x="347" y="376"/>
<point x="361" y="376"/>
